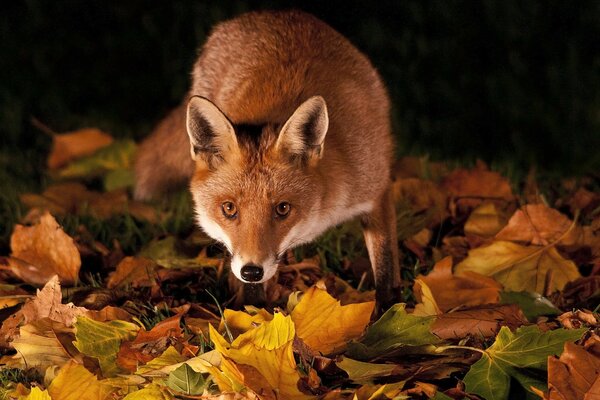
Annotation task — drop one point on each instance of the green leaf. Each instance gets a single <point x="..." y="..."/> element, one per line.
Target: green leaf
<point x="363" y="372"/>
<point x="150" y="392"/>
<point x="161" y="365"/>
<point x="441" y="396"/>
<point x="520" y="355"/>
<point x="395" y="329"/>
<point x="532" y="304"/>
<point x="117" y="156"/>
<point x="102" y="340"/>
<point x="119" y="178"/>
<point x="185" y="380"/>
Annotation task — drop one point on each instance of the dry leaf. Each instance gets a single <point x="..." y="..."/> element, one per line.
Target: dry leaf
<point x="134" y="271"/>
<point x="325" y="325"/>
<point x="536" y="224"/>
<point x="575" y="375"/>
<point x="74" y="382"/>
<point x="450" y="291"/>
<point x="48" y="304"/>
<point x="521" y="268"/>
<point x="42" y="251"/>
<point x="479" y="321"/>
<point x="484" y="221"/>
<point x="72" y="145"/>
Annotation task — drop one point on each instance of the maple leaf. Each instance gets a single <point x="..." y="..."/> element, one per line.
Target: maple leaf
<point x="43" y="343"/>
<point x="134" y="271"/>
<point x="36" y="394"/>
<point x="516" y="355"/>
<point x="396" y="328"/>
<point x="101" y="340"/>
<point x="451" y="291"/>
<point x="46" y="250"/>
<point x="72" y="145"/>
<point x="325" y="325"/>
<point x="575" y="375"/>
<point x="242" y="321"/>
<point x="74" y="382"/>
<point x="268" y="350"/>
<point x="521" y="268"/>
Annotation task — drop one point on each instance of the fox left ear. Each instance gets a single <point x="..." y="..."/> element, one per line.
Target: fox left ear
<point x="212" y="137"/>
<point x="304" y="132"/>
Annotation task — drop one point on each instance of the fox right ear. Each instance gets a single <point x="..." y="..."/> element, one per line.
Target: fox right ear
<point x="212" y="137"/>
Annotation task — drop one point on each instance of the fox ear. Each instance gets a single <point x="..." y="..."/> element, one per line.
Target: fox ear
<point x="212" y="137"/>
<point x="304" y="132"/>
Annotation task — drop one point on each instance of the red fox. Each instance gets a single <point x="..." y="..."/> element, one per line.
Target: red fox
<point x="289" y="131"/>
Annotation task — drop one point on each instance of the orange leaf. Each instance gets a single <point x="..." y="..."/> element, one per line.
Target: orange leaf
<point x="451" y="291"/>
<point x="72" y="145"/>
<point x="575" y="375"/>
<point x="44" y="250"/>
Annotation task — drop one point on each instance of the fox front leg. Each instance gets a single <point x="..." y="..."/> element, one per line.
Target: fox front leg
<point x="379" y="229"/>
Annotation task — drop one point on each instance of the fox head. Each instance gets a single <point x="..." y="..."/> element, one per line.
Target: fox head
<point x="256" y="188"/>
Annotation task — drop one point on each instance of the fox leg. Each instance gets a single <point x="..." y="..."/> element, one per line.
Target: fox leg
<point x="163" y="159"/>
<point x="381" y="237"/>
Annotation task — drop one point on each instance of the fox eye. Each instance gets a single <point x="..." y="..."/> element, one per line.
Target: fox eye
<point x="229" y="210"/>
<point x="283" y="209"/>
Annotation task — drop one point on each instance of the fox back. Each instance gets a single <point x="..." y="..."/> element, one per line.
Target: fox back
<point x="289" y="132"/>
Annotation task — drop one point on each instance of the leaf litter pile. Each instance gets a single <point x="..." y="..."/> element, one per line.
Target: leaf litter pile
<point x="500" y="297"/>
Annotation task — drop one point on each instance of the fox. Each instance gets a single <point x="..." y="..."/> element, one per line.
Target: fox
<point x="285" y="132"/>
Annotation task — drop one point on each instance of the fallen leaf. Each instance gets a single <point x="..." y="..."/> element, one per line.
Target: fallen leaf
<point x="517" y="355"/>
<point x="48" y="304"/>
<point x="47" y="249"/>
<point x="484" y="221"/>
<point x="118" y="155"/>
<point x="575" y="375"/>
<point x="187" y="381"/>
<point x="396" y="328"/>
<point x="43" y="343"/>
<point x="536" y="224"/>
<point x="102" y="340"/>
<point x="242" y="321"/>
<point x="133" y="271"/>
<point x="521" y="268"/>
<point x="163" y="364"/>
<point x="427" y="304"/>
<point x="150" y="392"/>
<point x="149" y="344"/>
<point x="451" y="291"/>
<point x="268" y="349"/>
<point x="74" y="382"/>
<point x="532" y="304"/>
<point x="363" y="372"/>
<point x="325" y="325"/>
<point x="73" y="145"/>
<point x="481" y="321"/>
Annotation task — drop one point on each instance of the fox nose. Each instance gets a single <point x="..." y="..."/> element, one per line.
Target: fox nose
<point x="252" y="272"/>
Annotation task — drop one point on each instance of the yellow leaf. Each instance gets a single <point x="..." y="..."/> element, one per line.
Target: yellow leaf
<point x="241" y="321"/>
<point x="44" y="250"/>
<point x="325" y="325"/>
<point x="268" y="350"/>
<point x="36" y="394"/>
<point x="74" y="382"/>
<point x="38" y="344"/>
<point x="521" y="268"/>
<point x="168" y="361"/>
<point x="150" y="392"/>
<point x="428" y="305"/>
<point x="484" y="221"/>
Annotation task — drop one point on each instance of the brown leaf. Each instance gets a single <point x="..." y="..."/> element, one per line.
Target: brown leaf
<point x="422" y="196"/>
<point x="451" y="291"/>
<point x="134" y="271"/>
<point x="42" y="251"/>
<point x="473" y="187"/>
<point x="149" y="344"/>
<point x="480" y="321"/>
<point x="535" y="224"/>
<point x="72" y="145"/>
<point x="577" y="319"/>
<point x="48" y="304"/>
<point x="575" y="375"/>
<point x="485" y="221"/>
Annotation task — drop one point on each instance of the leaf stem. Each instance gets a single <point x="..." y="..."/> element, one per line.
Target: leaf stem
<point x="441" y="349"/>
<point x="229" y="334"/>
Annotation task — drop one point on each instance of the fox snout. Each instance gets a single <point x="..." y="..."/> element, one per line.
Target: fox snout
<point x="251" y="271"/>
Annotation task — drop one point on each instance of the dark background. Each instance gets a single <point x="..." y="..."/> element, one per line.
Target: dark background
<point x="512" y="81"/>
